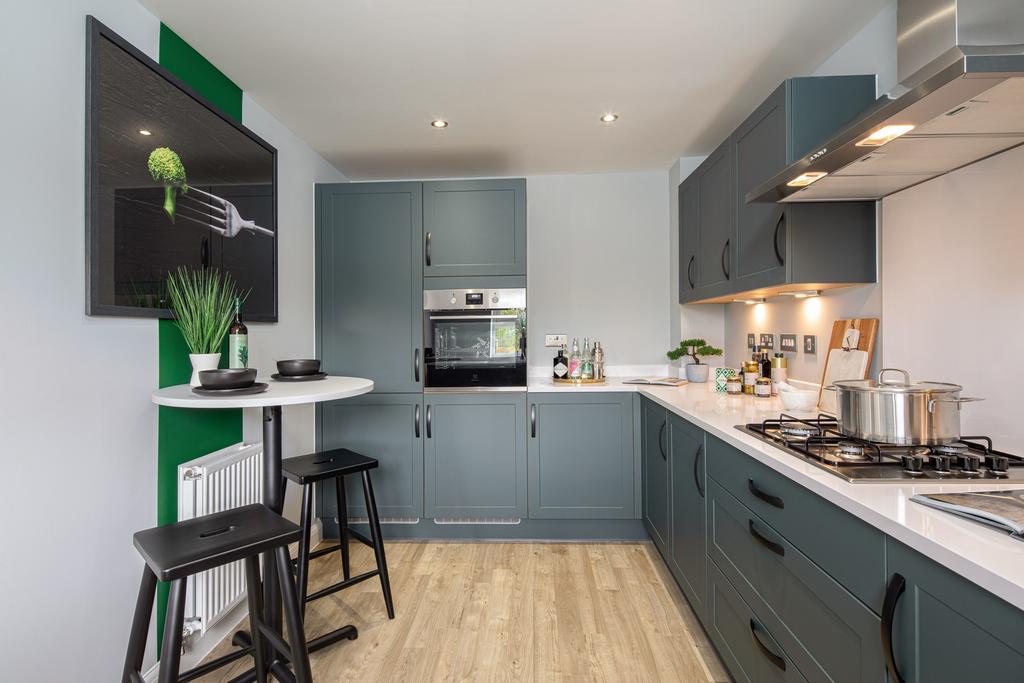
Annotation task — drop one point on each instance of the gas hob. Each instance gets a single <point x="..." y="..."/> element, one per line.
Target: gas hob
<point x="819" y="441"/>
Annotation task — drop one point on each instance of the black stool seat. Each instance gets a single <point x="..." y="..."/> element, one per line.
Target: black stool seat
<point x="186" y="548"/>
<point x="308" y="469"/>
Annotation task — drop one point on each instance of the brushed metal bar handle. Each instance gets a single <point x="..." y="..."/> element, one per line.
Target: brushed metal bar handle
<point x="426" y="249"/>
<point x="430" y="431"/>
<point x="533" y="420"/>
<point x="416" y="420"/>
<point x="774" y="501"/>
<point x="897" y="584"/>
<point x="696" y="470"/>
<point x="778" y="661"/>
<point x="776" y="548"/>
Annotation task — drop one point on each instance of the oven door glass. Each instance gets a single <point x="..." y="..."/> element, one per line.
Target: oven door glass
<point x="476" y="348"/>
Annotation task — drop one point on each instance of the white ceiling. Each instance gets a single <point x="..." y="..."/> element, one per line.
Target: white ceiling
<point x="522" y="82"/>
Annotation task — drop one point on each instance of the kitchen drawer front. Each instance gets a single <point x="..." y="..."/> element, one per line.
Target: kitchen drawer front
<point x="849" y="550"/>
<point x="828" y="632"/>
<point x="746" y="647"/>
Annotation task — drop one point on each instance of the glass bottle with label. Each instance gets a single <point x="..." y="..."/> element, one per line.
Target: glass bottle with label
<point x="780" y="372"/>
<point x="561" y="364"/>
<point x="575" y="361"/>
<point x="766" y="364"/>
<point x="238" y="340"/>
<point x="587" y="371"/>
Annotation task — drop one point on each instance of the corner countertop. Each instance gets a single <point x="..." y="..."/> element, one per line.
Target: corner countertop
<point x="986" y="556"/>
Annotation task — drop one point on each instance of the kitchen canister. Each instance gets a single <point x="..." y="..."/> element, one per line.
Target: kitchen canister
<point x="722" y="376"/>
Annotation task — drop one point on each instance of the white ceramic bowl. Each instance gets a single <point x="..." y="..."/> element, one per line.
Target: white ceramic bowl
<point x="796" y="399"/>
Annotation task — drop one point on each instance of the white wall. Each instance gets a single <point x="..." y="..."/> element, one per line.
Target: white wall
<point x="80" y="449"/>
<point x="596" y="264"/>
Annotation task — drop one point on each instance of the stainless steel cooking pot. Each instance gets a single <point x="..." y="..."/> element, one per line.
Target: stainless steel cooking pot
<point x="899" y="411"/>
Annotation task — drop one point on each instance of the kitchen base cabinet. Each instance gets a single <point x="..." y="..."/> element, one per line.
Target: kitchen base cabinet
<point x="581" y="460"/>
<point x="654" y="454"/>
<point x="945" y="629"/>
<point x="387" y="427"/>
<point x="746" y="647"/>
<point x="687" y="557"/>
<point x="474" y="455"/>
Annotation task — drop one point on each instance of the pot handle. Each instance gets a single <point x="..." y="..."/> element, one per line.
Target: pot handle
<point x="906" y="376"/>
<point x="957" y="401"/>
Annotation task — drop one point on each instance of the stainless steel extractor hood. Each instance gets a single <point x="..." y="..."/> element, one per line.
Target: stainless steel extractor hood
<point x="960" y="100"/>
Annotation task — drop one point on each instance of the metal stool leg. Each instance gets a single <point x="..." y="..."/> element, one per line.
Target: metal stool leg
<point x="293" y="618"/>
<point x="339" y="488"/>
<point x="140" y="625"/>
<point x="254" y="595"/>
<point x="170" y="652"/>
<point x="303" y="564"/>
<point x="378" y="543"/>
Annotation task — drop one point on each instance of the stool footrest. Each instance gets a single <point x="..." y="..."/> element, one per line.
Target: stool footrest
<point x="359" y="537"/>
<point x="212" y="665"/>
<point x="350" y="632"/>
<point x="320" y="552"/>
<point x="342" y="585"/>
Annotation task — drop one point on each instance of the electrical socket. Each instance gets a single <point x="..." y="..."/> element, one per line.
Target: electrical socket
<point x="556" y="340"/>
<point x="767" y="341"/>
<point x="810" y="344"/>
<point x="751" y="340"/>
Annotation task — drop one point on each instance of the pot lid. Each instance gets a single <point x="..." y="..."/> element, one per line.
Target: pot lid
<point x="896" y="381"/>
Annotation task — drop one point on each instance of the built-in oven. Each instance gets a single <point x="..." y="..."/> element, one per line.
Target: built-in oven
<point x="474" y="338"/>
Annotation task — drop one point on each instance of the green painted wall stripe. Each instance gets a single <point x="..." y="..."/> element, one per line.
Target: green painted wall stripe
<point x="184" y="434"/>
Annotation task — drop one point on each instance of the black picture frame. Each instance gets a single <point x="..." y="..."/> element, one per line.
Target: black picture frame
<point x="96" y="31"/>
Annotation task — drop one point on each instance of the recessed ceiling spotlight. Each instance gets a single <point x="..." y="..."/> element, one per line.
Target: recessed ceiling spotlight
<point x="439" y="123"/>
<point x="143" y="131"/>
<point x="609" y="118"/>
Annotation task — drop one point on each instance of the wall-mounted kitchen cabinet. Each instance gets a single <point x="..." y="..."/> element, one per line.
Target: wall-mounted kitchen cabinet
<point x="474" y="227"/>
<point x="370" y="282"/>
<point x="581" y="460"/>
<point x="758" y="249"/>
<point x="388" y="427"/>
<point x="474" y="455"/>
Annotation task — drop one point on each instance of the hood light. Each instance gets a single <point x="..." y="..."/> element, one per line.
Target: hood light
<point x="884" y="135"/>
<point x="805" y="179"/>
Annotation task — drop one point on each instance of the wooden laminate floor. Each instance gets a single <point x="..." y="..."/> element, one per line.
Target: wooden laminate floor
<point x="509" y="612"/>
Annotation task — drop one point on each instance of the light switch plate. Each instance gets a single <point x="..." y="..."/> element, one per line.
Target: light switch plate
<point x="810" y="344"/>
<point x="751" y="340"/>
<point x="787" y="342"/>
<point x="556" y="340"/>
<point x="767" y="341"/>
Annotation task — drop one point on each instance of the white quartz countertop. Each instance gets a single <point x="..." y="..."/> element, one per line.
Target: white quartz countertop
<point x="986" y="556"/>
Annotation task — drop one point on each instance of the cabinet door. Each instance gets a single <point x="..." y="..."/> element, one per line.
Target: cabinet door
<point x="369" y="282"/>
<point x="581" y="460"/>
<point x="946" y="628"/>
<point x="655" y="472"/>
<point x="689" y="239"/>
<point x="474" y="227"/>
<point x="387" y="427"/>
<point x="688" y="553"/>
<point x="475" y="455"/>
<point x="760" y="153"/>
<point x="715" y="206"/>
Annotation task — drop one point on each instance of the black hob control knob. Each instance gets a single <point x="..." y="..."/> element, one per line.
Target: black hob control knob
<point x="970" y="463"/>
<point x="940" y="463"/>
<point x="998" y="464"/>
<point x="913" y="464"/>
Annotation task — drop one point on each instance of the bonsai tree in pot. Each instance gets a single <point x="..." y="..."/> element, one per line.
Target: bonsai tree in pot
<point x="203" y="303"/>
<point x="694" y="348"/>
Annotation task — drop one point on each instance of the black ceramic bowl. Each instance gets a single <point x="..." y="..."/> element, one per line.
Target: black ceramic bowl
<point x="236" y="378"/>
<point x="295" y="368"/>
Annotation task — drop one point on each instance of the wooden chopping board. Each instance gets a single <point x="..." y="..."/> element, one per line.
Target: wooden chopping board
<point x="849" y="356"/>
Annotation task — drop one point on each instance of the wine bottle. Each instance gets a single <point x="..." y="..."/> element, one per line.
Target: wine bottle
<point x="766" y="364"/>
<point x="238" y="340"/>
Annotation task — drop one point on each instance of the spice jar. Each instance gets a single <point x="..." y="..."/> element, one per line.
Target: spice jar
<point x="763" y="387"/>
<point x="751" y="371"/>
<point x="734" y="384"/>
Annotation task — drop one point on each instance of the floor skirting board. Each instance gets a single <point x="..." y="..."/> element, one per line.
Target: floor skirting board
<point x="525" y="530"/>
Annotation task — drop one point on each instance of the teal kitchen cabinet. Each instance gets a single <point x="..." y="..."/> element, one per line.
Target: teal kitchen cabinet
<point x="941" y="628"/>
<point x="474" y="227"/>
<point x="369" y="282"/>
<point x="581" y="459"/>
<point x="689" y="238"/>
<point x="474" y="455"/>
<point x="654" y="454"/>
<point x="388" y="427"/>
<point x="715" y="212"/>
<point x="687" y="557"/>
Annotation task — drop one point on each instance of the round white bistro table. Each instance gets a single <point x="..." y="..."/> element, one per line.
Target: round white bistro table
<point x="277" y="395"/>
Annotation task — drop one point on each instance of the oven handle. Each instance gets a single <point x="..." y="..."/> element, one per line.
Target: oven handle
<point x="502" y="316"/>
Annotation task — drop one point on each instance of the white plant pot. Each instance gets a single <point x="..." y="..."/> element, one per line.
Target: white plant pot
<point x="202" y="361"/>
<point x="697" y="373"/>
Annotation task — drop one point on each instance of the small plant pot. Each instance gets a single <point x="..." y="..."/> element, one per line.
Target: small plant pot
<point x="202" y="361"/>
<point x="697" y="372"/>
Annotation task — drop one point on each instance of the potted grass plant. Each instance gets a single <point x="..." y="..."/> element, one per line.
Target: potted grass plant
<point x="203" y="303"/>
<point x="694" y="348"/>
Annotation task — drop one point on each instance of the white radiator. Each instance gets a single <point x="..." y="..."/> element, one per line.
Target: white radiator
<point x="228" y="478"/>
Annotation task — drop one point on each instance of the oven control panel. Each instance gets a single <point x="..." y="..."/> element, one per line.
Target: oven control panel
<point x="468" y="299"/>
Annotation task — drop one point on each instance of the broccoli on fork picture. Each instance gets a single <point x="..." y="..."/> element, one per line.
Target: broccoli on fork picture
<point x="165" y="166"/>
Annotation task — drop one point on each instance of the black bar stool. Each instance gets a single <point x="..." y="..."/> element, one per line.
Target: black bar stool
<point x="177" y="551"/>
<point x="306" y="470"/>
